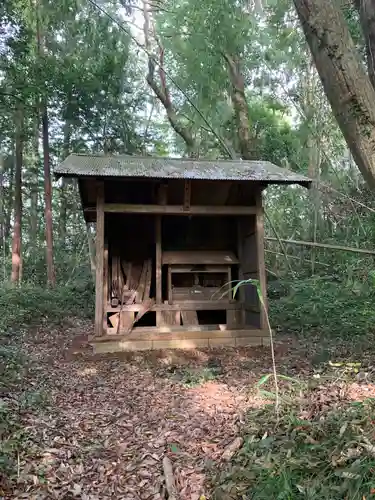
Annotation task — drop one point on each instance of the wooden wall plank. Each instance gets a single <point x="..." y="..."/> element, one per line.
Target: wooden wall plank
<point x="99" y="243"/>
<point x="105" y="286"/>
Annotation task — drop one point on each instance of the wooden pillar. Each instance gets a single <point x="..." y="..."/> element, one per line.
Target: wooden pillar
<point x="241" y="290"/>
<point x="260" y="257"/>
<point x="99" y="280"/>
<point x="105" y="287"/>
<point x="162" y="200"/>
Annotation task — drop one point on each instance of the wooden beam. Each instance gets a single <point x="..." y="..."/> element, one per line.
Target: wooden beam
<point x="99" y="281"/>
<point x="186" y="305"/>
<point x="176" y="209"/>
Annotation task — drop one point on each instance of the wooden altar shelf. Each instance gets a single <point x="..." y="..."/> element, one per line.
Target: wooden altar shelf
<point x="199" y="258"/>
<point x="187" y="305"/>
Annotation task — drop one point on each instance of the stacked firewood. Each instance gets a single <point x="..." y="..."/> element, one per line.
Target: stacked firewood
<point x="130" y="282"/>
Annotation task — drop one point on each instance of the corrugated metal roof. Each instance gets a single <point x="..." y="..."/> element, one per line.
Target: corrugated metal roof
<point x="79" y="165"/>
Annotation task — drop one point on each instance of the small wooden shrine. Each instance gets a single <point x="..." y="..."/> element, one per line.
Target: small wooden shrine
<point x="172" y="237"/>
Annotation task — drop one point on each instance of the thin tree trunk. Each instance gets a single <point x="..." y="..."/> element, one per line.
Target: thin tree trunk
<point x="35" y="183"/>
<point x="51" y="281"/>
<point x="161" y="89"/>
<point x="9" y="201"/>
<point x="241" y="109"/>
<point x="2" y="214"/>
<point x="346" y="84"/>
<point x="63" y="193"/>
<point x="17" y="234"/>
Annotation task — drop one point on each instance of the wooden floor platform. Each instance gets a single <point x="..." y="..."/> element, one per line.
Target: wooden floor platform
<point x="152" y="338"/>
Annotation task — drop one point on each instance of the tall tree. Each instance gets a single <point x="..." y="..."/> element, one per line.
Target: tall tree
<point x="347" y="85"/>
<point x="17" y="219"/>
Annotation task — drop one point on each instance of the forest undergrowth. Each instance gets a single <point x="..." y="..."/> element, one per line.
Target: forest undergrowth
<point x="321" y="442"/>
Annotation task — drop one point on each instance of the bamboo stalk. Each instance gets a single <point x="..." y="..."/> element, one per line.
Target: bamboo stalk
<point x="323" y="245"/>
<point x="297" y="258"/>
<point x="280" y="241"/>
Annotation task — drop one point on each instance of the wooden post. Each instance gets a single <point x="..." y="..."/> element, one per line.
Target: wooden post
<point x="162" y="196"/>
<point x="105" y="286"/>
<point x="99" y="281"/>
<point x="187" y="194"/>
<point x="158" y="265"/>
<point x="241" y="291"/>
<point x="261" y="263"/>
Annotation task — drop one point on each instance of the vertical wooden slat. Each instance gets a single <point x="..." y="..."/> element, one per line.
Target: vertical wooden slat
<point x="105" y="286"/>
<point x="169" y="284"/>
<point x="158" y="265"/>
<point x="158" y="259"/>
<point x="162" y="197"/>
<point x="230" y="284"/>
<point x="261" y="262"/>
<point x="99" y="291"/>
<point x="187" y="194"/>
<point x="241" y="290"/>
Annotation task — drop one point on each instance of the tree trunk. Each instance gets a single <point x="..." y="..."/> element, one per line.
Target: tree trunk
<point x="63" y="193"/>
<point x="35" y="184"/>
<point x="346" y="84"/>
<point x="17" y="235"/>
<point x="10" y="201"/>
<point x="241" y="109"/>
<point x="48" y="200"/>
<point x="161" y="89"/>
<point x="366" y="10"/>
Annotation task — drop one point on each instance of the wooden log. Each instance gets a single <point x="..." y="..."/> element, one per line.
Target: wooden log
<point x="170" y="483"/>
<point x="99" y="244"/>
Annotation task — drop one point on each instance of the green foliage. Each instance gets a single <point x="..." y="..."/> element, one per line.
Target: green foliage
<point x="190" y="377"/>
<point x="322" y="306"/>
<point x="23" y="306"/>
<point x="328" y="456"/>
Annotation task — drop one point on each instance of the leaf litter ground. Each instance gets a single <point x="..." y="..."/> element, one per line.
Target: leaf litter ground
<point x="105" y="423"/>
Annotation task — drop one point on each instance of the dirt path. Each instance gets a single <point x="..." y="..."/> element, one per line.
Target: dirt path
<point x="108" y="421"/>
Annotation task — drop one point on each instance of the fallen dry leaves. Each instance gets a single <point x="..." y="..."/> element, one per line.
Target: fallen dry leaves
<point x="110" y="420"/>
